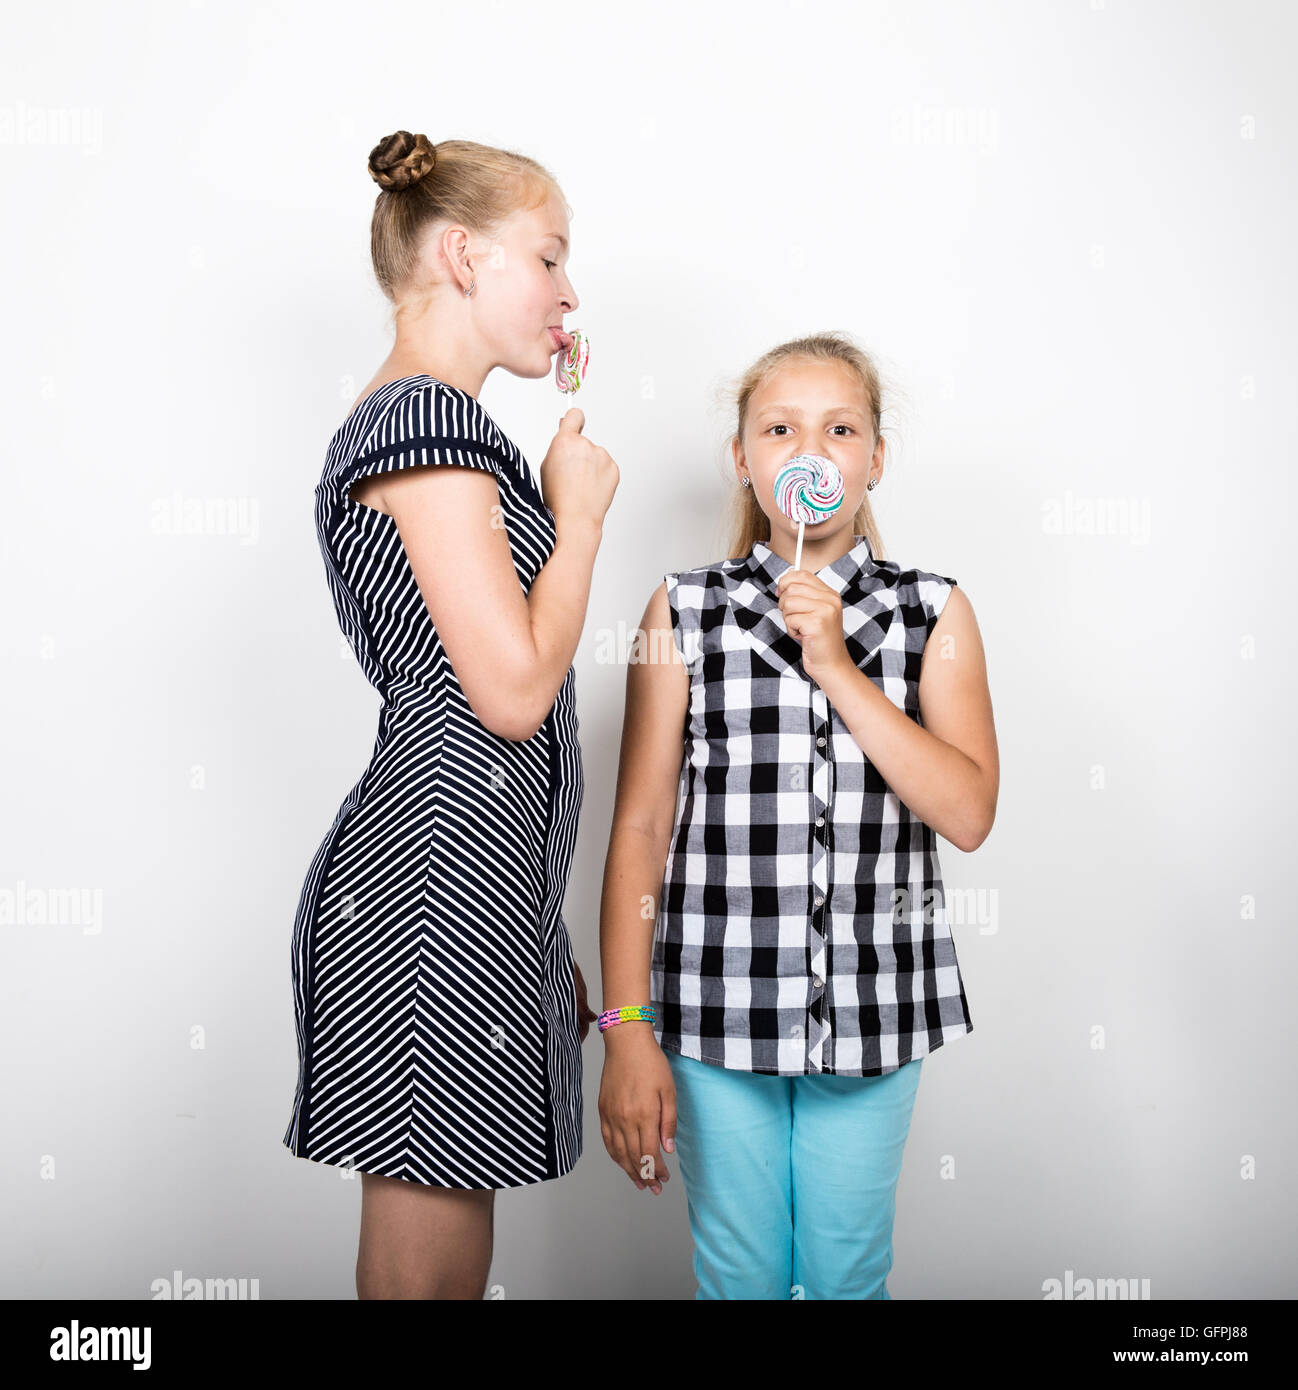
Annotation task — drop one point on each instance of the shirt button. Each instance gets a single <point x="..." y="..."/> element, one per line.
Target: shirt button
<point x="817" y="981"/>
<point x="820" y="820"/>
<point x="819" y="901"/>
<point x="820" y="742"/>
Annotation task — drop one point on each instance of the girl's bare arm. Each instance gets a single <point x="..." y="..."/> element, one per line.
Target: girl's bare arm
<point x="644" y="810"/>
<point x="510" y="668"/>
<point x="947" y="771"/>
<point x="637" y="1097"/>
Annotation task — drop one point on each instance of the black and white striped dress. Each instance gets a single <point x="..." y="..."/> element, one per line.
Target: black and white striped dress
<point x="432" y="971"/>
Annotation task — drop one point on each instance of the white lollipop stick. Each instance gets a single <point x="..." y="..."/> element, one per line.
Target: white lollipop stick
<point x="797" y="558"/>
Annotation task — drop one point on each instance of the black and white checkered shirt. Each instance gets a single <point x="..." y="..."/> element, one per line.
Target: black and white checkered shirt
<point x="802" y="926"/>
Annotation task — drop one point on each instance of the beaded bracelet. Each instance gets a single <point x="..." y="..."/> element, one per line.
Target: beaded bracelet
<point x="625" y="1014"/>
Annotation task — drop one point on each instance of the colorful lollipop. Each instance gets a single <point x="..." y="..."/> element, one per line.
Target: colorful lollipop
<point x="570" y="367"/>
<point x="808" y="488"/>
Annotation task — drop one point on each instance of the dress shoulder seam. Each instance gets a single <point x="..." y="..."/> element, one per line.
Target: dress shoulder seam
<point x="431" y="389"/>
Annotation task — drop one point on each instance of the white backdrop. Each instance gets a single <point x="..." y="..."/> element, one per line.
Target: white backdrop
<point x="1066" y="229"/>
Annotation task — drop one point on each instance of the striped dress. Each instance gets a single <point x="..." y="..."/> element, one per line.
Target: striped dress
<point x="432" y="971"/>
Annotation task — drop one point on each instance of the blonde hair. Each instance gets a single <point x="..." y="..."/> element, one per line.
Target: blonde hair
<point x="460" y="181"/>
<point x="749" y="524"/>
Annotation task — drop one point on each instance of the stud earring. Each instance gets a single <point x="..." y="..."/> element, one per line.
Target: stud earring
<point x="470" y="290"/>
<point x="744" y="481"/>
<point x="869" y="487"/>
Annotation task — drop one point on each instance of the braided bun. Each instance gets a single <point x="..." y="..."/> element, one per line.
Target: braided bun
<point x="402" y="159"/>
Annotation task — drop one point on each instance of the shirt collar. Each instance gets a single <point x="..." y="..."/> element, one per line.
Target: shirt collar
<point x="767" y="566"/>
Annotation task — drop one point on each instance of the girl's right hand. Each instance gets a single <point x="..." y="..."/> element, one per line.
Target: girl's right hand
<point x="637" y="1104"/>
<point x="578" y="478"/>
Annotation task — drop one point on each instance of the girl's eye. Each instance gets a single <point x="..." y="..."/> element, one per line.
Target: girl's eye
<point x="550" y="264"/>
<point x="848" y="428"/>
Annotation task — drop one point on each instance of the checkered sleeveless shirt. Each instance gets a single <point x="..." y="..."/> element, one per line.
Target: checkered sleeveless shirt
<point x="802" y="925"/>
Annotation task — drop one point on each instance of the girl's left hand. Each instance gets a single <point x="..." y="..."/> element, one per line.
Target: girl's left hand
<point x="813" y="613"/>
<point x="585" y="1014"/>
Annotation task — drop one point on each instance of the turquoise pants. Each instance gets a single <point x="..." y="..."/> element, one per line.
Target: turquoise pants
<point x="791" y="1181"/>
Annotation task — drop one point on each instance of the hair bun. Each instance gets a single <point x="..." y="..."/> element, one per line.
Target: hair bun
<point x="402" y="159"/>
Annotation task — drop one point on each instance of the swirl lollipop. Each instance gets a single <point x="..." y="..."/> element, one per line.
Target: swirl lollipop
<point x="570" y="368"/>
<point x="808" y="488"/>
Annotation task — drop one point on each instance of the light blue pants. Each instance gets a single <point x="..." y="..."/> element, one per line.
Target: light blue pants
<point x="791" y="1181"/>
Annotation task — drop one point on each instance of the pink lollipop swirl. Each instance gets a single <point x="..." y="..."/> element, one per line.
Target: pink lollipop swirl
<point x="808" y="488"/>
<point x="570" y="367"/>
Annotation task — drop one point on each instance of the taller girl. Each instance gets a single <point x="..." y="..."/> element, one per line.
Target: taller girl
<point x="439" y="1011"/>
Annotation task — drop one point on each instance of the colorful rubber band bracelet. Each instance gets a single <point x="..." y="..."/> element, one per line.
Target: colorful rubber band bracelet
<point x="627" y="1014"/>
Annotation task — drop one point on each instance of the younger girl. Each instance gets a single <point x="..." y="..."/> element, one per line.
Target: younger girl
<point x="835" y="719"/>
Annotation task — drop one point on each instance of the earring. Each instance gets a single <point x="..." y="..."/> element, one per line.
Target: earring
<point x="744" y="482"/>
<point x="470" y="290"/>
<point x="869" y="487"/>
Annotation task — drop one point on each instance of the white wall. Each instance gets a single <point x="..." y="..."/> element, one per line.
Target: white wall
<point x="1066" y="229"/>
